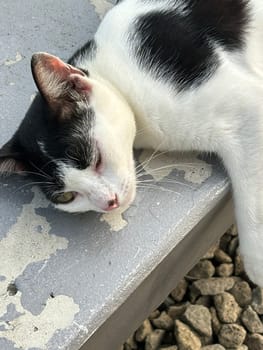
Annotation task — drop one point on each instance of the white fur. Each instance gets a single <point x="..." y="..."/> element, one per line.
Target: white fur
<point x="224" y="115"/>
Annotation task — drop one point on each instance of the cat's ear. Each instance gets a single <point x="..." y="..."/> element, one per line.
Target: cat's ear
<point x="58" y="81"/>
<point x="10" y="162"/>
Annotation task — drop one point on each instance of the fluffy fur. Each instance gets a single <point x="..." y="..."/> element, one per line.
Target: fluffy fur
<point x="189" y="73"/>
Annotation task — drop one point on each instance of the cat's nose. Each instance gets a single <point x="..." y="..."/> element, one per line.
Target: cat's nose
<point x="113" y="203"/>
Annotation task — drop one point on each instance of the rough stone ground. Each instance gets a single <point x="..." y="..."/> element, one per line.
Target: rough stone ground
<point x="215" y="307"/>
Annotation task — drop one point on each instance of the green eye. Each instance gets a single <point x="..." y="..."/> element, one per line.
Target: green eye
<point x="64" y="198"/>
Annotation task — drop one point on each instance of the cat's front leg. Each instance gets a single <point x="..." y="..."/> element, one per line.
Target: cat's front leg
<point x="242" y="153"/>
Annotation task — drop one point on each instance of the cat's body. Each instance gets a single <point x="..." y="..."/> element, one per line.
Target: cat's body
<point x="190" y="73"/>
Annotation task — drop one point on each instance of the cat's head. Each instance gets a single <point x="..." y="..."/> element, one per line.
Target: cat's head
<point x="75" y="140"/>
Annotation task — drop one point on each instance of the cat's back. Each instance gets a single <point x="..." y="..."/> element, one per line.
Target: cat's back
<point x="177" y="40"/>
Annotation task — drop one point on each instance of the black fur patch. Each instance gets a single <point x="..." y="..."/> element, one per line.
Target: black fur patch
<point x="179" y="45"/>
<point x="87" y="51"/>
<point x="69" y="141"/>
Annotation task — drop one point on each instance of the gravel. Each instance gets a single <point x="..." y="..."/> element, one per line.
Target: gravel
<point x="215" y="307"/>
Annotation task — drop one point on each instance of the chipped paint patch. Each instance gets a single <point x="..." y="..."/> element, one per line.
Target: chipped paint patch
<point x="161" y="165"/>
<point x="29" y="331"/>
<point x="17" y="59"/>
<point x="101" y="7"/>
<point x="25" y="244"/>
<point x="115" y="220"/>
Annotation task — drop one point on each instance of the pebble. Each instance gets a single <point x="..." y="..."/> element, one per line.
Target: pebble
<point x="179" y="292"/>
<point x="222" y="257"/>
<point x="176" y="311"/>
<point x="257" y="300"/>
<point x="239" y="266"/>
<point x="216" y="325"/>
<point x="164" y="321"/>
<point x="173" y="347"/>
<point x="203" y="269"/>
<point x="251" y="321"/>
<point x="242" y="293"/>
<point x="154" y="314"/>
<point x="143" y="331"/>
<point x="241" y="347"/>
<point x="254" y="341"/>
<point x="211" y="252"/>
<point x="199" y="318"/>
<point x="232" y="335"/>
<point x="154" y="339"/>
<point x="225" y="270"/>
<point x="231" y="249"/>
<point x="214" y="285"/>
<point x="130" y="344"/>
<point x="186" y="338"/>
<point x="227" y="308"/>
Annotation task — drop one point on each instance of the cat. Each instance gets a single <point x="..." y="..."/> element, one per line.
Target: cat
<point x="188" y="74"/>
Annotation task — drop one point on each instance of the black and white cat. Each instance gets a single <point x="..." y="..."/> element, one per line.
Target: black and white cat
<point x="187" y="73"/>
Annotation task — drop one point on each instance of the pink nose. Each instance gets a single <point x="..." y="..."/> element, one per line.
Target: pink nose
<point x="113" y="203"/>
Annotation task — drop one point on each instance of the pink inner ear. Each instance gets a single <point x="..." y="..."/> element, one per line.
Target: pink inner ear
<point x="80" y="83"/>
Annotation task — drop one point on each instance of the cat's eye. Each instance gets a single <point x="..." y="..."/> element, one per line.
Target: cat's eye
<point x="64" y="198"/>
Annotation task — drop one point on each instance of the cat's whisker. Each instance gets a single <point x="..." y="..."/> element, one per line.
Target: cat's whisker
<point x="33" y="183"/>
<point x="146" y="162"/>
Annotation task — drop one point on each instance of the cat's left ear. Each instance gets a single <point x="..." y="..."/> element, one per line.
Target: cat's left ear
<point x="10" y="160"/>
<point x="58" y="81"/>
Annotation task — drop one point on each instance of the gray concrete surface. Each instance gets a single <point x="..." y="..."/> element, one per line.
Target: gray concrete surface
<point x="66" y="280"/>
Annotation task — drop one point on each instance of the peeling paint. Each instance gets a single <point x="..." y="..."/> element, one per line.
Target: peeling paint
<point x="22" y="245"/>
<point x="10" y="62"/>
<point x="101" y="7"/>
<point x="161" y="165"/>
<point x="29" y="331"/>
<point x="115" y="220"/>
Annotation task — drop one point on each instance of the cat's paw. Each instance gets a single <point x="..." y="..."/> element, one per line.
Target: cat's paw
<point x="254" y="268"/>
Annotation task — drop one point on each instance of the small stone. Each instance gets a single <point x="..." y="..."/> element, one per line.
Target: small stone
<point x="225" y="270"/>
<point x="239" y="266"/>
<point x="173" y="347"/>
<point x="176" y="311"/>
<point x="164" y="321"/>
<point x="154" y="339"/>
<point x="143" y="331"/>
<point x="130" y="344"/>
<point x="232" y="335"/>
<point x="242" y="293"/>
<point x="227" y="308"/>
<point x="241" y="347"/>
<point x="199" y="318"/>
<point x="222" y="257"/>
<point x="179" y="292"/>
<point x="204" y="300"/>
<point x="194" y="293"/>
<point x="154" y="314"/>
<point x="233" y="230"/>
<point x="251" y="321"/>
<point x="232" y="247"/>
<point x="211" y="252"/>
<point x="225" y="241"/>
<point x="254" y="341"/>
<point x="213" y="347"/>
<point x="214" y="285"/>
<point x="203" y="269"/>
<point x="216" y="325"/>
<point x="186" y="339"/>
<point x="257" y="300"/>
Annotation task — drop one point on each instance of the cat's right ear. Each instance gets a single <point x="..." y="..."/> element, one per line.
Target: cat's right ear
<point x="59" y="82"/>
<point x="10" y="160"/>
